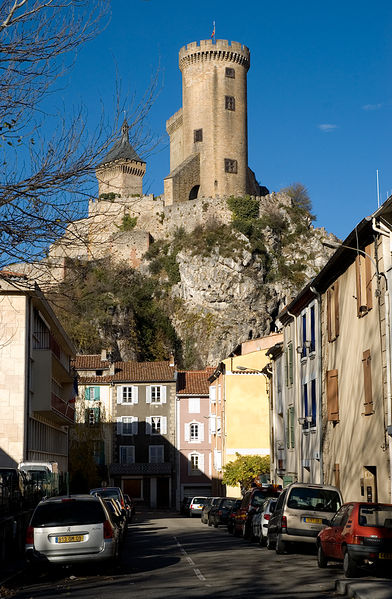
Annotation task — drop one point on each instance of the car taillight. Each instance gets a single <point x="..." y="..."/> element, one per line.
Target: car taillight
<point x="357" y="540"/>
<point x="107" y="530"/>
<point x="30" y="536"/>
<point x="284" y="523"/>
<point x="122" y="503"/>
<point x="266" y="516"/>
<point x="219" y="512"/>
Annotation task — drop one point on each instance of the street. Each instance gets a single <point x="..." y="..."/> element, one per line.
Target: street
<point x="166" y="555"/>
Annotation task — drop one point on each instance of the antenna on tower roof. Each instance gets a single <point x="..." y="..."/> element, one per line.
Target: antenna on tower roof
<point x="213" y="31"/>
<point x="378" y="191"/>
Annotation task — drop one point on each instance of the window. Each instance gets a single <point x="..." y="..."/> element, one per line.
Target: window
<point x="332" y="396"/>
<point x="231" y="165"/>
<point x="41" y="334"/>
<point x="333" y="311"/>
<point x="367" y="382"/>
<point x="195" y="463"/>
<point x="279" y="396"/>
<point x="156" y="394"/>
<point x="92" y="416"/>
<point x="92" y="394"/>
<point x="127" y="454"/>
<point x="303" y="328"/>
<point x="127" y="394"/>
<point x="127" y="425"/>
<point x="364" y="282"/>
<point x="289" y="364"/>
<point x="156" y="454"/>
<point x="194" y="405"/>
<point x="290" y="428"/>
<point x="156" y="425"/>
<point x="309" y="404"/>
<point x="230" y="72"/>
<point x="197" y="135"/>
<point x="194" y="432"/>
<point x="312" y="346"/>
<point x="313" y="400"/>
<point x="229" y="103"/>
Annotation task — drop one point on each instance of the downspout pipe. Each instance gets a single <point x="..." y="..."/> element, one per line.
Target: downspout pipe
<point x="319" y="385"/>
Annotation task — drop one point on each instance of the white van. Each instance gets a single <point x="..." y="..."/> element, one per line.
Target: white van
<point x="42" y="475"/>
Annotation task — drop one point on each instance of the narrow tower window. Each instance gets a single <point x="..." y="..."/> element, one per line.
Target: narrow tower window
<point x="230" y="165"/>
<point x="198" y="135"/>
<point x="230" y="72"/>
<point x="229" y="103"/>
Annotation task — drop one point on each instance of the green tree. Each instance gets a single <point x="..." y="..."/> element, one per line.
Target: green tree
<point x="300" y="196"/>
<point x="244" y="469"/>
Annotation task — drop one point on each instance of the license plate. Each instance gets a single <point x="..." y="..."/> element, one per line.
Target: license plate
<point x="313" y="520"/>
<point x="385" y="556"/>
<point x="70" y="539"/>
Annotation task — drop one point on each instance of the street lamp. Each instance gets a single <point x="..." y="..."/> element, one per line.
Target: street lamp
<point x="335" y="246"/>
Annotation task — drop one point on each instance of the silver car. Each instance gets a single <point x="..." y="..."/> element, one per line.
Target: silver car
<point x="71" y="529"/>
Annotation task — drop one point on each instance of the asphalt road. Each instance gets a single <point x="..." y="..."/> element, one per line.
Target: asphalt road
<point x="165" y="555"/>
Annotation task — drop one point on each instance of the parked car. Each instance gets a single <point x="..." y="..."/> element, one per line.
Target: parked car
<point x="302" y="510"/>
<point x="196" y="506"/>
<point x="130" y="507"/>
<point x="184" y="507"/>
<point x="113" y="492"/>
<point x="212" y="501"/>
<point x="252" y="500"/>
<point x="116" y="515"/>
<point x="219" y="513"/>
<point x="71" y="529"/>
<point x="232" y="516"/>
<point x="360" y="534"/>
<point x="261" y="519"/>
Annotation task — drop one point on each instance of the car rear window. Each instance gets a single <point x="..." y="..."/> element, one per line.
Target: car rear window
<point x="108" y="493"/>
<point x="68" y="513"/>
<point x="379" y="516"/>
<point x="199" y="500"/>
<point x="228" y="503"/>
<point x="322" y="500"/>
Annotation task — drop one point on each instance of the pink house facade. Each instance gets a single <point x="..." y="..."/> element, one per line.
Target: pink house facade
<point x="193" y="434"/>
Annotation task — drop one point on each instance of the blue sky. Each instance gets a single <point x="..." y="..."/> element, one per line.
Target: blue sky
<point x="319" y="89"/>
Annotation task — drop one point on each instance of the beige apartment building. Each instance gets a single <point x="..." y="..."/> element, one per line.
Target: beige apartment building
<point x="36" y="380"/>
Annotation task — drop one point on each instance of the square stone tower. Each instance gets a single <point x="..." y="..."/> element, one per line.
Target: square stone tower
<point x="208" y="135"/>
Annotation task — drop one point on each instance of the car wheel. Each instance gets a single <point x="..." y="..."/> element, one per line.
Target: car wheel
<point x="269" y="543"/>
<point x="209" y="522"/>
<point x="322" y="560"/>
<point x="280" y="546"/>
<point x="245" y="531"/>
<point x="350" y="568"/>
<point x="215" y="524"/>
<point x="261" y="539"/>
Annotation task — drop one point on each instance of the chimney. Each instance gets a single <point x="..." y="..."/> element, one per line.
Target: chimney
<point x="171" y="360"/>
<point x="103" y="355"/>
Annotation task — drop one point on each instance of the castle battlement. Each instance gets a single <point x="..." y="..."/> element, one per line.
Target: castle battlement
<point x="174" y="121"/>
<point x="218" y="50"/>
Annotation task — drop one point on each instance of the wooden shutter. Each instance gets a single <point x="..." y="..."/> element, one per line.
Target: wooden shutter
<point x="119" y="426"/>
<point x="119" y="394"/>
<point x="201" y="462"/>
<point x="148" y="425"/>
<point x="329" y="314"/>
<point x="135" y="394"/>
<point x="367" y="381"/>
<point x="291" y="410"/>
<point x="201" y="432"/>
<point x="212" y="425"/>
<point x="148" y="394"/>
<point x="187" y="432"/>
<point x="336" y="308"/>
<point x="163" y="425"/>
<point x="213" y="393"/>
<point x="368" y="275"/>
<point x="135" y="424"/>
<point x="163" y="394"/>
<point x="358" y="284"/>
<point x="332" y="395"/>
<point x="87" y="394"/>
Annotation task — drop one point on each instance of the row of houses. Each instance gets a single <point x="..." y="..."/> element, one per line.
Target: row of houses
<point x="316" y="396"/>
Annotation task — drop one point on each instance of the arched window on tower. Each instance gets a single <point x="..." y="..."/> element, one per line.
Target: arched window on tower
<point x="193" y="192"/>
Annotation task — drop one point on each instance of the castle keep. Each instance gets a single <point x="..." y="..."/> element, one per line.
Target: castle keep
<point x="208" y="135"/>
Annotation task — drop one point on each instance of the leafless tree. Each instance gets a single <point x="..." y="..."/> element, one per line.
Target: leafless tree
<point x="44" y="182"/>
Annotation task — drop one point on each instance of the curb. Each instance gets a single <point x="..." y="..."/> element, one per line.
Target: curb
<point x="364" y="589"/>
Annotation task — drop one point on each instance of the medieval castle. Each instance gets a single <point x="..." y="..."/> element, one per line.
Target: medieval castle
<point x="208" y="163"/>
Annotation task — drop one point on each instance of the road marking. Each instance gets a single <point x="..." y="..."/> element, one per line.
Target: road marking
<point x="190" y="561"/>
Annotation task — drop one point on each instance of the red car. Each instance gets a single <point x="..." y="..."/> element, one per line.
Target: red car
<point x="359" y="534"/>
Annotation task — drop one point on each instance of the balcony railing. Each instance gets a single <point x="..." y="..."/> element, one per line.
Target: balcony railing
<point x="63" y="407"/>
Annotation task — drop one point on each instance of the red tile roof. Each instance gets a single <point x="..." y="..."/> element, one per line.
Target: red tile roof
<point x="90" y="362"/>
<point x="132" y="372"/>
<point x="193" y="382"/>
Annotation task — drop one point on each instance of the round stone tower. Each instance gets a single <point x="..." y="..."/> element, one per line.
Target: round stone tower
<point x="208" y="136"/>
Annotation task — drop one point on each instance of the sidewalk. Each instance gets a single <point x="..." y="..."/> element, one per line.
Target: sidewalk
<point x="364" y="589"/>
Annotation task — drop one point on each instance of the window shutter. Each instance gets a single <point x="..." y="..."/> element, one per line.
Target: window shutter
<point x="368" y="274"/>
<point x="358" y="283"/>
<point x="329" y="314"/>
<point x="148" y="425"/>
<point x="336" y="306"/>
<point x="201" y="462"/>
<point x="288" y="428"/>
<point x="163" y="425"/>
<point x="367" y="381"/>
<point x="291" y="410"/>
<point x="213" y="393"/>
<point x="148" y="394"/>
<point x="96" y="415"/>
<point x="135" y="425"/>
<point x="135" y="394"/>
<point x="163" y="394"/>
<point x="332" y="395"/>
<point x="201" y="432"/>
<point x="97" y="393"/>
<point x="119" y="426"/>
<point x="290" y="348"/>
<point x="212" y="425"/>
<point x="87" y="393"/>
<point x="119" y="394"/>
<point x="218" y="425"/>
<point x="187" y="432"/>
